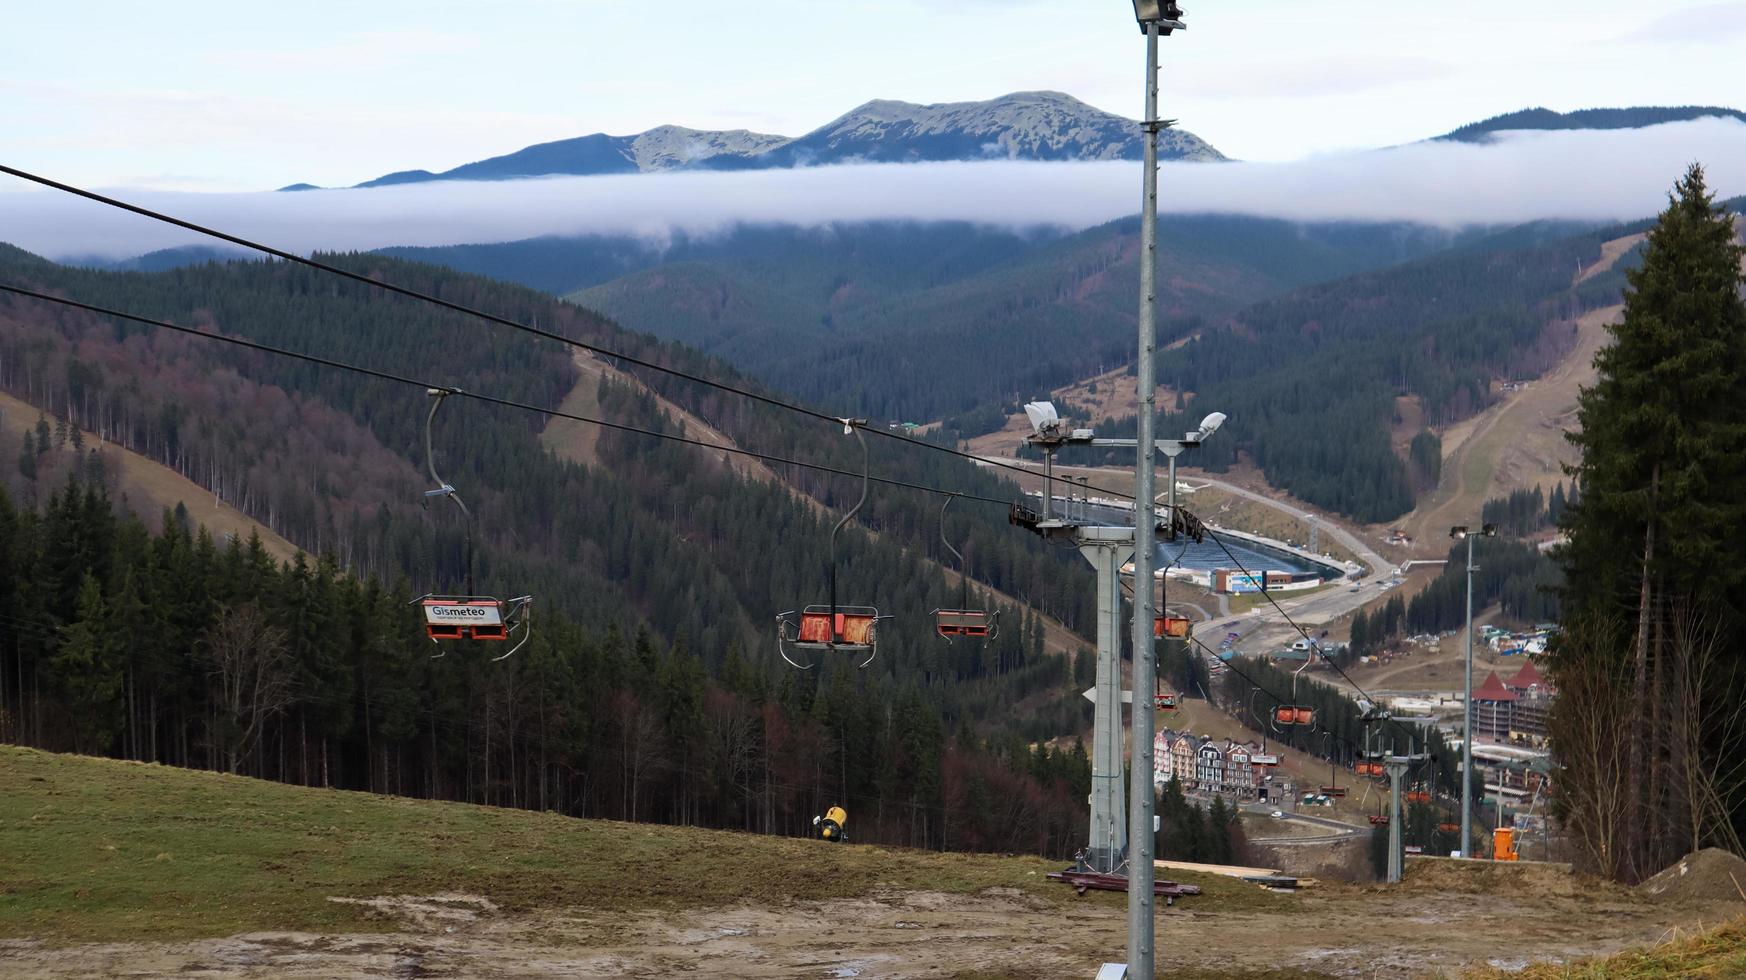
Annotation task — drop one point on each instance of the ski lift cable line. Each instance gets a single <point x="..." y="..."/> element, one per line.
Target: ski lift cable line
<point x="410" y="293"/>
<point x="477" y="396"/>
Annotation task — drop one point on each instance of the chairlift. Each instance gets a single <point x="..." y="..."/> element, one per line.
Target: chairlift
<point x="1449" y="828"/>
<point x="471" y="616"/>
<point x="1165" y="700"/>
<point x="1379" y="820"/>
<point x="1295" y="714"/>
<point x="1418" y="796"/>
<point x="1335" y="789"/>
<point x="1264" y="757"/>
<point x="976" y="624"/>
<point x="832" y="628"/>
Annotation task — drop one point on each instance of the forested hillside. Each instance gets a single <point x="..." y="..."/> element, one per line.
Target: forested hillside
<point x="1633" y="117"/>
<point x="1311" y="379"/>
<point x="891" y="328"/>
<point x="659" y="541"/>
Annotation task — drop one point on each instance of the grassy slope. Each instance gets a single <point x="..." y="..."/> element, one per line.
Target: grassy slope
<point x="151" y="487"/>
<point x="93" y="849"/>
<point x="1718" y="953"/>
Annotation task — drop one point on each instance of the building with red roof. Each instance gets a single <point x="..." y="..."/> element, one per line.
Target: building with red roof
<point x="1492" y="708"/>
<point x="1534" y="698"/>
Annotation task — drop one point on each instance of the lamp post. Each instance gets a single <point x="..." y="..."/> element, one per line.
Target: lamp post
<point x="1460" y="532"/>
<point x="1155" y="17"/>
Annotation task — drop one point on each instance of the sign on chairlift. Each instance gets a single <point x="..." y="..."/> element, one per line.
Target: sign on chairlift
<point x="448" y="613"/>
<point x="1264" y="759"/>
<point x="1090" y="694"/>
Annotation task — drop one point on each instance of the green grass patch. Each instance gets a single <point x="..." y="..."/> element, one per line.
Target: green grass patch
<point x="93" y="849"/>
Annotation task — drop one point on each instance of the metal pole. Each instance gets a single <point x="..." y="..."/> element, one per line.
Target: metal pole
<point x="1396" y="770"/>
<point x="1048" y="484"/>
<point x="1140" y="870"/>
<point x="1467" y="722"/>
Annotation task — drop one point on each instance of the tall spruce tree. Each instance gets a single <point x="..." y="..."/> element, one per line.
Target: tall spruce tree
<point x="1658" y="530"/>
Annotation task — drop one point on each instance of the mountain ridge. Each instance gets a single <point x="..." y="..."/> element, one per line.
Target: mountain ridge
<point x="1038" y="125"/>
<point x="1542" y="118"/>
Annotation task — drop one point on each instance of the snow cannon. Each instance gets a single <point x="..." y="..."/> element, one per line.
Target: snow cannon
<point x="830" y="826"/>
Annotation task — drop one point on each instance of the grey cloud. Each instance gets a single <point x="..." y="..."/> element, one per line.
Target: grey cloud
<point x="1523" y="176"/>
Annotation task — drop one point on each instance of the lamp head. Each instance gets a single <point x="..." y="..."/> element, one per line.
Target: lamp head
<point x="1044" y="418"/>
<point x="1458" y="532"/>
<point x="1166" y="13"/>
<point x="1211" y="423"/>
<point x="1489" y="530"/>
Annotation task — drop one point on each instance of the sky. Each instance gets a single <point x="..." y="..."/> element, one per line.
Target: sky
<point x="204" y="96"/>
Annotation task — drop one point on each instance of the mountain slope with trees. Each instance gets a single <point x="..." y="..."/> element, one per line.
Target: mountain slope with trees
<point x="1634" y="117"/>
<point x="656" y="573"/>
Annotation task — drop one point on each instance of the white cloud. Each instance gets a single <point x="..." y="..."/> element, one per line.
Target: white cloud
<point x="1709" y="24"/>
<point x="1597" y="175"/>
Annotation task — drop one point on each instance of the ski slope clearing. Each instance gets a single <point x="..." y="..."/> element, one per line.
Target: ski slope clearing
<point x="113" y="867"/>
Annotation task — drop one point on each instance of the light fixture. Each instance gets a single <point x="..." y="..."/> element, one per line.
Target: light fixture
<point x="1044" y="418"/>
<point x="1167" y="14"/>
<point x="1458" y="532"/>
<point x="1210" y="424"/>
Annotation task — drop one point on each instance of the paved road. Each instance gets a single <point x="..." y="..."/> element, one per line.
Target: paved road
<point x="1340" y="830"/>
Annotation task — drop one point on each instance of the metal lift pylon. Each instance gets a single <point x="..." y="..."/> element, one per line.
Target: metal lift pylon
<point x="1108" y="548"/>
<point x="1397" y="766"/>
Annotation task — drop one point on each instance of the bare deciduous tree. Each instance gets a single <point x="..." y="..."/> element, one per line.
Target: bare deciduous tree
<point x="1707" y="730"/>
<point x="251" y="668"/>
<point x="1592" y="734"/>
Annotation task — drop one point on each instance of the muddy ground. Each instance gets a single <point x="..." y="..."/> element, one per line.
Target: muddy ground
<point x="1434" y="926"/>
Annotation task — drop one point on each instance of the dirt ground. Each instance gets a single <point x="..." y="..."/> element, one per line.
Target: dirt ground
<point x="1440" y="922"/>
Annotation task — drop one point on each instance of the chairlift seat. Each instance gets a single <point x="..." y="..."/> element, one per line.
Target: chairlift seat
<point x="1175" y="627"/>
<point x="1418" y="796"/>
<point x="1166" y="702"/>
<point x="464" y="618"/>
<point x="1291" y="714"/>
<point x="1378" y="820"/>
<point x="1334" y="790"/>
<point x="1449" y="828"/>
<point x="974" y="623"/>
<point x="851" y="629"/>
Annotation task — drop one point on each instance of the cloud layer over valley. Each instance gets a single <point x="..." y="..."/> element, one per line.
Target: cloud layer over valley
<point x="1585" y="175"/>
